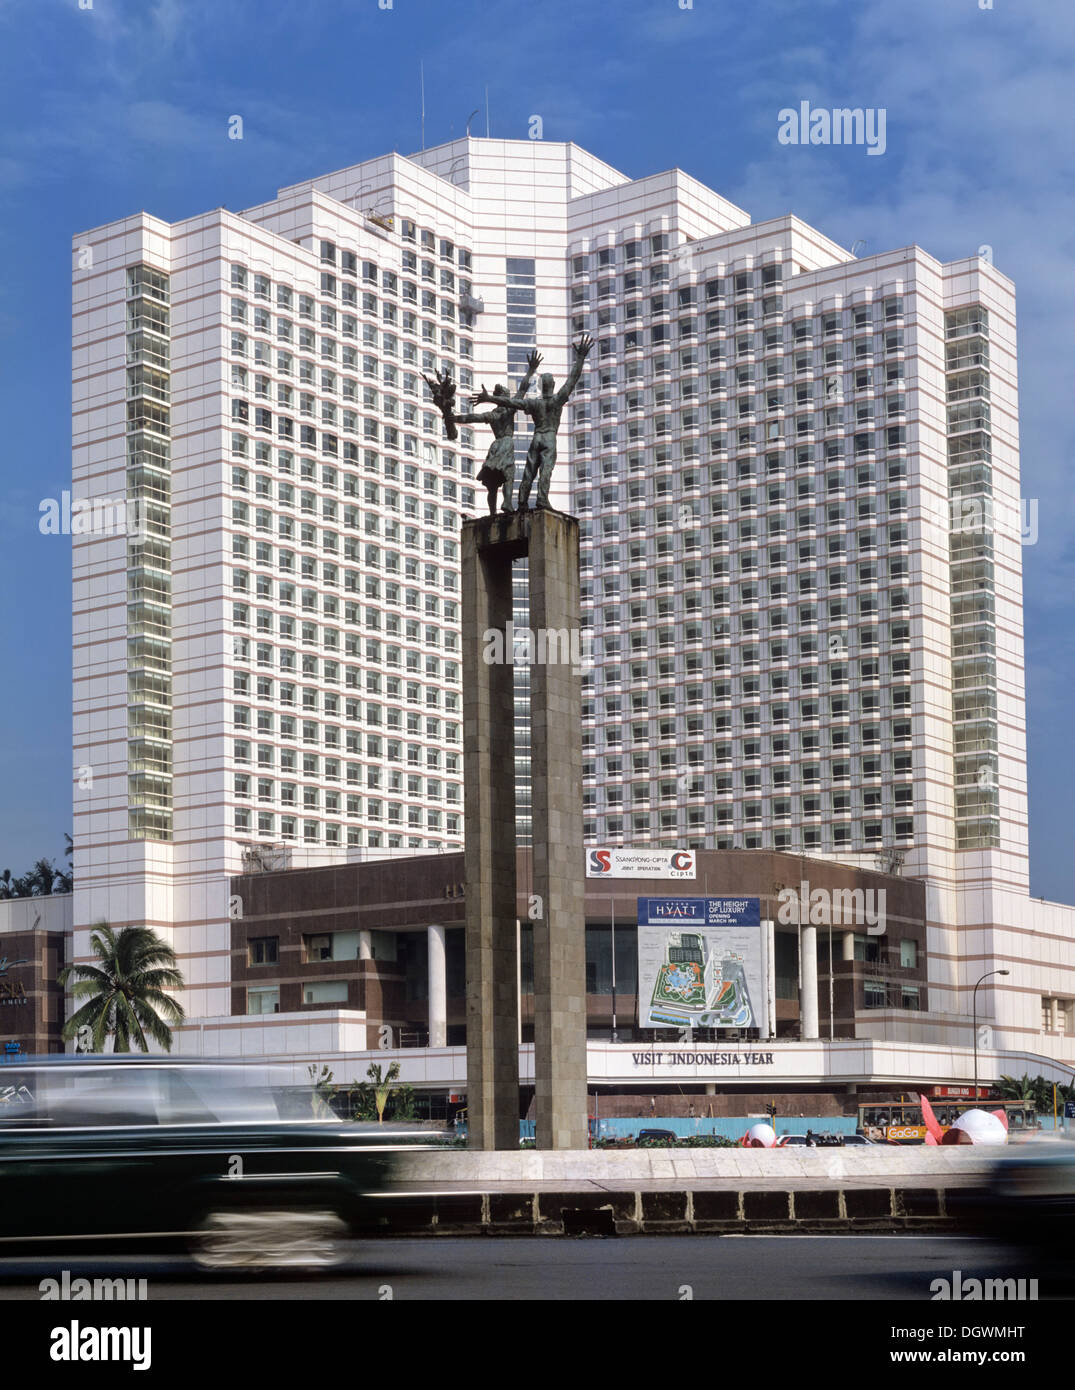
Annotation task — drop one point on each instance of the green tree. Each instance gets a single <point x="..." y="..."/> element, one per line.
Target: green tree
<point x="125" y="991"/>
<point x="1043" y="1095"/>
<point x="1036" y="1091"/>
<point x="41" y="880"/>
<point x="12" y="887"/>
<point x="65" y="878"/>
<point x="324" y="1090"/>
<point x="404" y="1105"/>
<point x="363" y="1105"/>
<point x="1008" y="1088"/>
<point x="382" y="1086"/>
<point x="370" y="1098"/>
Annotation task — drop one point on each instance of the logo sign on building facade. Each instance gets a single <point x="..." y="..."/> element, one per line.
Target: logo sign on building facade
<point x="640" y="863"/>
<point x="11" y="991"/>
<point x="702" y="963"/>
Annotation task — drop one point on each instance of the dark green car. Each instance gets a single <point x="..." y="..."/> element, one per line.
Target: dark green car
<point x="226" y="1158"/>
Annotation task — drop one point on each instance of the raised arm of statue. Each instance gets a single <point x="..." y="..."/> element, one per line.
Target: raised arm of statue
<point x="512" y="402"/>
<point x="533" y="362"/>
<point x="582" y="351"/>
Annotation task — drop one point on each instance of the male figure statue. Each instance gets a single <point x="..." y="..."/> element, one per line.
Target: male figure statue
<point x="498" y="470"/>
<point x="545" y="411"/>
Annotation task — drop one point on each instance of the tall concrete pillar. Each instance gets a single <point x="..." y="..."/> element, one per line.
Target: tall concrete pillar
<point x="488" y="546"/>
<point x="808" y="975"/>
<point x="365" y="945"/>
<point x="438" y="986"/>
<point x="556" y="781"/>
<point x="849" y="945"/>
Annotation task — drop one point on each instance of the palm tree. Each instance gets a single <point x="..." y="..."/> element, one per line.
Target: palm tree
<point x="125" y="990"/>
<point x="1018" y="1090"/>
<point x="382" y="1086"/>
<point x="65" y="878"/>
<point x="41" y="879"/>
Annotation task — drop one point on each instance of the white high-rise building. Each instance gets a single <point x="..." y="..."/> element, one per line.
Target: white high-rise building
<point x="797" y="474"/>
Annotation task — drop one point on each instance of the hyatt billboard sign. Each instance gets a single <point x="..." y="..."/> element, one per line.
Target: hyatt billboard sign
<point x="702" y="963"/>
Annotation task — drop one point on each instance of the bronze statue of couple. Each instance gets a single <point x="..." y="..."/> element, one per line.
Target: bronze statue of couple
<point x="498" y="471"/>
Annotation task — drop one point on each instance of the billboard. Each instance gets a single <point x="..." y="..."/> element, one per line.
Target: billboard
<point x="702" y="963"/>
<point x="640" y="863"/>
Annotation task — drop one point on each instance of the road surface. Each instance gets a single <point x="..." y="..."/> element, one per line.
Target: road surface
<point x="652" y="1268"/>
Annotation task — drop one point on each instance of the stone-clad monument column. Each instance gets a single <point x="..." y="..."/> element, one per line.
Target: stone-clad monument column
<point x="489" y="544"/>
<point x="489" y="828"/>
<point x="556" y="779"/>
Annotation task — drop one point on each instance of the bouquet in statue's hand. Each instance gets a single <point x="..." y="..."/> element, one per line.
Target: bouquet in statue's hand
<point x="442" y="389"/>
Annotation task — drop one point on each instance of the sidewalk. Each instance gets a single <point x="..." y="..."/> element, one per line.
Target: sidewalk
<point x="674" y="1191"/>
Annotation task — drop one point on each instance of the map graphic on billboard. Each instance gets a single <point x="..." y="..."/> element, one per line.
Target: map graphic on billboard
<point x="701" y="963"/>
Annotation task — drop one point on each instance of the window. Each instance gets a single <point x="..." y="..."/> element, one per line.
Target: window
<point x="263" y="1001"/>
<point x="325" y="992"/>
<point x="262" y="950"/>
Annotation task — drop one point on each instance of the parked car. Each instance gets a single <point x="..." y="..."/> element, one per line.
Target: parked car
<point x="224" y="1158"/>
<point x="657" y="1136"/>
<point x="787" y="1141"/>
<point x="857" y="1139"/>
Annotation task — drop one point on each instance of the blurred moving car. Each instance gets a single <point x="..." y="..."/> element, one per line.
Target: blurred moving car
<point x="231" y="1160"/>
<point x="1027" y="1201"/>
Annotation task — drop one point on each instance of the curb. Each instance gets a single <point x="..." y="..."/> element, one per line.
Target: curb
<point x="671" y="1212"/>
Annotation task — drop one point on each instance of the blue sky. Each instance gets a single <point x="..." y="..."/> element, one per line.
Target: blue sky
<point x="124" y="106"/>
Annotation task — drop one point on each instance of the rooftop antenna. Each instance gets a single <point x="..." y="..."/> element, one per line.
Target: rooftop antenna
<point x="422" y="81"/>
<point x="474" y="113"/>
<point x="487" y="112"/>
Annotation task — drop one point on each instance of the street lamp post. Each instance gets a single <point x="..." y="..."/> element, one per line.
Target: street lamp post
<point x="974" y="1020"/>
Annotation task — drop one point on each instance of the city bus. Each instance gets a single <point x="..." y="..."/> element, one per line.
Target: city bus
<point x="900" y="1121"/>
